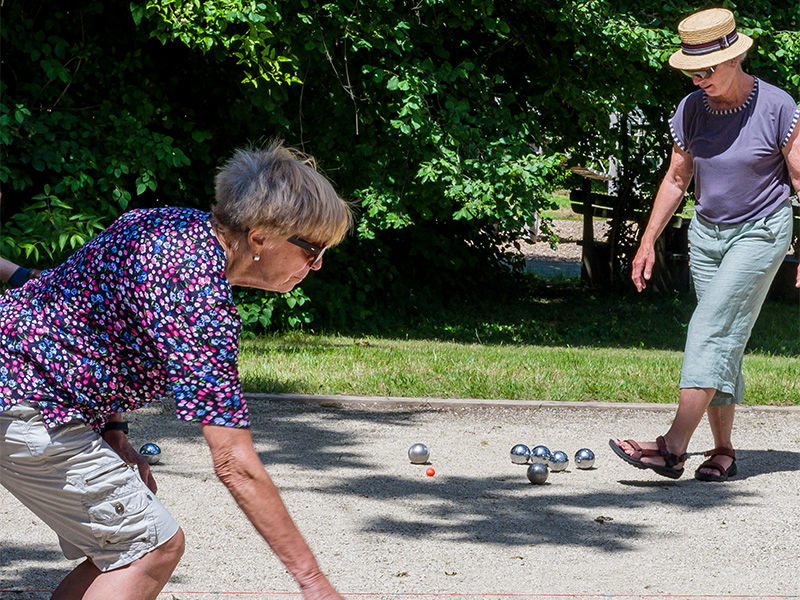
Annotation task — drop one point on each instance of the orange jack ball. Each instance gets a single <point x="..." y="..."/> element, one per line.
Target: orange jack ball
<point x="430" y="472"/>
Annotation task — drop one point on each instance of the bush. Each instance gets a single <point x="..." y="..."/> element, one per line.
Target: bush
<point x="449" y="124"/>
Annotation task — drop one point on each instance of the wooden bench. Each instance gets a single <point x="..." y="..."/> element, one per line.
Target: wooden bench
<point x="671" y="271"/>
<point x="672" y="249"/>
<point x="603" y="205"/>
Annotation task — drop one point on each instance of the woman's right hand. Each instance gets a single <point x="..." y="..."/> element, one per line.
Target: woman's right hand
<point x="321" y="589"/>
<point x="642" y="268"/>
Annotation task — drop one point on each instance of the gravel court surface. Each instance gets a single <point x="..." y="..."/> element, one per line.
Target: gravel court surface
<point x="477" y="529"/>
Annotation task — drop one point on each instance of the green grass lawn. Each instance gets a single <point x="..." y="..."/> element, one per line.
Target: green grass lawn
<point x="563" y="211"/>
<point x="563" y="344"/>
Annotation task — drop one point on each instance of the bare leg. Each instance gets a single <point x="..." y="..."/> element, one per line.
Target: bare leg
<point x="693" y="403"/>
<point x="143" y="579"/>
<point x="721" y="420"/>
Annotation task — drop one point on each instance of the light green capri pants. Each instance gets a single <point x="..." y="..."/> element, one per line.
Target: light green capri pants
<point x="732" y="266"/>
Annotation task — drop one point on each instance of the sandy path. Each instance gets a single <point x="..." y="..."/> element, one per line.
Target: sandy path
<point x="477" y="529"/>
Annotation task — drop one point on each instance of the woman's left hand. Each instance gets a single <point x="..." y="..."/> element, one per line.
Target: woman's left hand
<point x="120" y="444"/>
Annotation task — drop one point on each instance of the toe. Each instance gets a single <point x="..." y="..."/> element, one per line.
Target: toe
<point x="624" y="446"/>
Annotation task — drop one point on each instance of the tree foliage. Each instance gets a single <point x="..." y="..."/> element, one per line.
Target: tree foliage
<point x="447" y="123"/>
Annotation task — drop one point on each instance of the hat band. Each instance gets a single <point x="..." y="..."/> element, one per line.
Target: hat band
<point x="712" y="46"/>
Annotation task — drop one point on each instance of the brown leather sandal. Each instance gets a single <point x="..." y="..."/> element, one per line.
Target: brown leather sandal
<point x="712" y="464"/>
<point x="670" y="460"/>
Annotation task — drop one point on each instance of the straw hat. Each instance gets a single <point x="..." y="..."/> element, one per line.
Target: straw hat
<point x="708" y="38"/>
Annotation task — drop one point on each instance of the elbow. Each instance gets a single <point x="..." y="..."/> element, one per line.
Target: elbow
<point x="231" y="467"/>
<point x="680" y="181"/>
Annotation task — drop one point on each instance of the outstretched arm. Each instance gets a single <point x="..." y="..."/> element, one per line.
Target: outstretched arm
<point x="14" y="275"/>
<point x="7" y="269"/>
<point x="239" y="468"/>
<point x="669" y="197"/>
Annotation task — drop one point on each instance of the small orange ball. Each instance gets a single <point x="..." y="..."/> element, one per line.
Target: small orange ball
<point x="430" y="472"/>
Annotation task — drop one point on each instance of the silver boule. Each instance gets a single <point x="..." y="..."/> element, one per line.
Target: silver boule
<point x="418" y="454"/>
<point x="584" y="458"/>
<point x="540" y="454"/>
<point x="520" y="454"/>
<point x="537" y="473"/>
<point x="151" y="453"/>
<point x="558" y="461"/>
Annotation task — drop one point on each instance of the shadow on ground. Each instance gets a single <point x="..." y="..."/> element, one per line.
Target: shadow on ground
<point x="25" y="561"/>
<point x="337" y="443"/>
<point x="487" y="509"/>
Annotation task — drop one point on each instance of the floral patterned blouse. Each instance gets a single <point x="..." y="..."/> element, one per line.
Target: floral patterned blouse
<point x="141" y="312"/>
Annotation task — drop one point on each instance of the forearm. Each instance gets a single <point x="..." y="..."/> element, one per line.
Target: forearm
<point x="7" y="269"/>
<point x="117" y="438"/>
<point x="241" y="471"/>
<point x="259" y="499"/>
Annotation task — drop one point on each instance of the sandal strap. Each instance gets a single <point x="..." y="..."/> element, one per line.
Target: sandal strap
<point x="712" y="464"/>
<point x="670" y="459"/>
<point x="642" y="451"/>
<point x="633" y="444"/>
<point x="721" y="450"/>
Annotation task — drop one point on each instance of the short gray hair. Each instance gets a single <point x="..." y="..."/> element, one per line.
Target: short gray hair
<point x="279" y="191"/>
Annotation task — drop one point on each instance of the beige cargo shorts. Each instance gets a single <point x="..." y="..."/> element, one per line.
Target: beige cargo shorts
<point x="72" y="480"/>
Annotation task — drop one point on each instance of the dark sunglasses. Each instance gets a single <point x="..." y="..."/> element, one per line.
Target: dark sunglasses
<point x="702" y="74"/>
<point x="314" y="250"/>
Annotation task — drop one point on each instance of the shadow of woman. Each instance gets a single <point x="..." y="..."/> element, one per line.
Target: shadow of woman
<point x="752" y="463"/>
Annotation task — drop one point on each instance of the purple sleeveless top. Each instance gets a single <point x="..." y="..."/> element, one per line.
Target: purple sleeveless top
<point x="140" y="312"/>
<point x="740" y="173"/>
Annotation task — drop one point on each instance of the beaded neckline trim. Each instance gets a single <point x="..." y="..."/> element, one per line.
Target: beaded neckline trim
<point x="731" y="111"/>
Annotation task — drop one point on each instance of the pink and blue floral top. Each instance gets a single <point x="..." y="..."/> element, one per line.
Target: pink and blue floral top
<point x="141" y="312"/>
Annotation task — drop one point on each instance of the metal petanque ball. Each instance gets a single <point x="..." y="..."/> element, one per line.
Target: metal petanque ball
<point x="151" y="453"/>
<point x="540" y="454"/>
<point x="537" y="473"/>
<point x="418" y="454"/>
<point x="559" y="461"/>
<point x="520" y="454"/>
<point x="584" y="458"/>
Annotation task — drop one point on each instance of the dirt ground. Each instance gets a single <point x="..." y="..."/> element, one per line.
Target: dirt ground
<point x="477" y="529"/>
<point x="565" y="259"/>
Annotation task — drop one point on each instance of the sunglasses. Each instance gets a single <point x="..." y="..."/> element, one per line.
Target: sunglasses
<point x="702" y="74"/>
<point x="314" y="250"/>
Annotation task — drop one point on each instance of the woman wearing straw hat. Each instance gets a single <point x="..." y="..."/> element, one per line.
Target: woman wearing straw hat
<point x="737" y="137"/>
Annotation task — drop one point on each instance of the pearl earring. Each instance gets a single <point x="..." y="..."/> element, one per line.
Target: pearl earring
<point x="256" y="257"/>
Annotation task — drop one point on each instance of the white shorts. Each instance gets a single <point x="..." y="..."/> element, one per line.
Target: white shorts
<point x="72" y="480"/>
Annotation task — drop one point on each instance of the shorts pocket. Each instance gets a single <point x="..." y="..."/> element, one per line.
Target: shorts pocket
<point x="122" y="520"/>
<point x="117" y="467"/>
<point x="117" y="503"/>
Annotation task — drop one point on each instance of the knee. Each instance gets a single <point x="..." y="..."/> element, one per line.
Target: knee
<point x="172" y="551"/>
